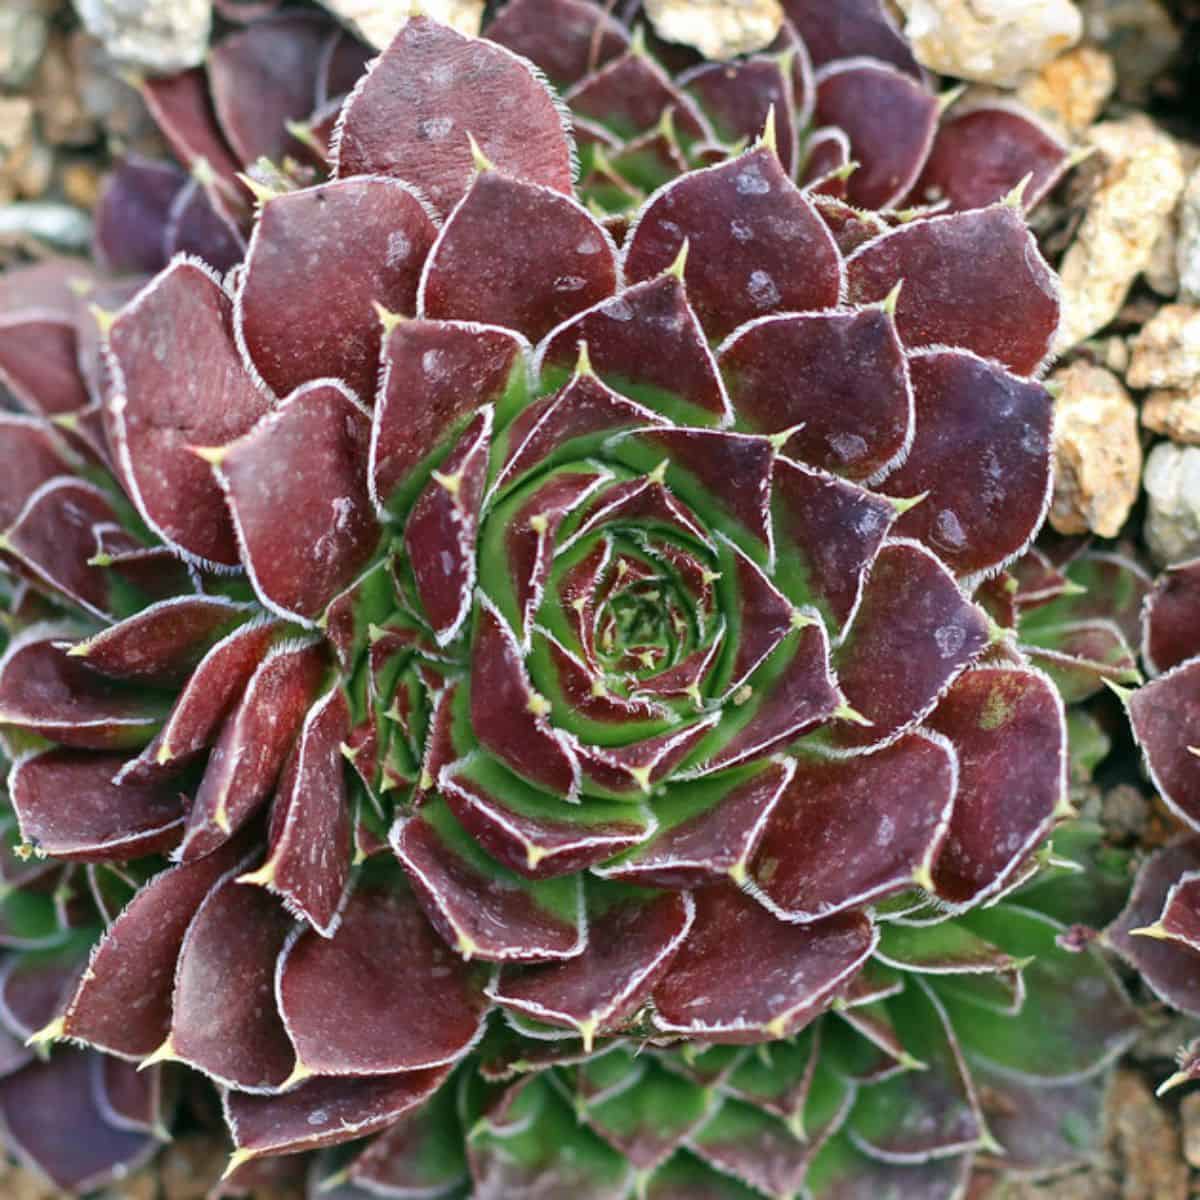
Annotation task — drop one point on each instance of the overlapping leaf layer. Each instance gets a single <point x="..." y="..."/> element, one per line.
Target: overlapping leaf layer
<point x="586" y="669"/>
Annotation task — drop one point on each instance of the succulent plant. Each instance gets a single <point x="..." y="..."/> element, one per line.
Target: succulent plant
<point x="1157" y="933"/>
<point x="552" y="661"/>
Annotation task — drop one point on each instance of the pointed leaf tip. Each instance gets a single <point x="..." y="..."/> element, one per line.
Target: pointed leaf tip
<point x="769" y="138"/>
<point x="103" y="317"/>
<point x="165" y="1053"/>
<point x="1016" y="198"/>
<point x="213" y="455"/>
<point x="47" y="1034"/>
<point x="1123" y="694"/>
<point x="238" y="1159"/>
<point x="480" y="160"/>
<point x="1157" y="931"/>
<point x="889" y="302"/>
<point x="680" y="264"/>
<point x="260" y="191"/>
<point x="388" y="319"/>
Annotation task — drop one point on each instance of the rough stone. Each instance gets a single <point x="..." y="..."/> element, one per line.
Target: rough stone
<point x="990" y="41"/>
<point x="62" y="114"/>
<point x="159" y="36"/>
<point x="1172" y="483"/>
<point x="1125" y="812"/>
<point x="1140" y="36"/>
<point x="1125" y="217"/>
<point x="110" y="99"/>
<point x="1187" y="245"/>
<point x="1175" y="413"/>
<point x="1098" y="458"/>
<point x="1145" y="1141"/>
<point x="1070" y="91"/>
<point x="1166" y="351"/>
<point x="24" y="28"/>
<point x="1189" y="1117"/>
<point x="377" y="21"/>
<point x="58" y="225"/>
<point x="16" y="143"/>
<point x="719" y="29"/>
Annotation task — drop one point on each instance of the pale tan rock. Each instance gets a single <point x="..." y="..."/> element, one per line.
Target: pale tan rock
<point x="1175" y="413"/>
<point x="1098" y="459"/>
<point x="1070" y="91"/>
<point x="378" y="21"/>
<point x="1165" y="353"/>
<point x="1189" y="1118"/>
<point x="24" y="27"/>
<point x="62" y="114"/>
<point x="990" y="41"/>
<point x="159" y="36"/>
<point x="1187" y="245"/>
<point x="719" y="29"/>
<point x="1172" y="483"/>
<point x="1125" y="218"/>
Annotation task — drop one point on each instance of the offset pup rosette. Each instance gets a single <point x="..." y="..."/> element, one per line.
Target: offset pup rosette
<point x="457" y="649"/>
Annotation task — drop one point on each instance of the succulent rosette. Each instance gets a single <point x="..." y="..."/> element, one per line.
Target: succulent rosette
<point x="552" y="669"/>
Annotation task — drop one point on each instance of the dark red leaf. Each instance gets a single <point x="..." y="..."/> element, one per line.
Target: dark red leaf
<point x="741" y="221"/>
<point x="566" y="38"/>
<point x="229" y="952"/>
<point x="436" y="374"/>
<point x="384" y="994"/>
<point x="33" y="454"/>
<point x="854" y="414"/>
<point x="813" y="859"/>
<point x="1165" y="715"/>
<point x="39" y="362"/>
<point x="981" y="458"/>
<point x="255" y="742"/>
<point x="182" y="108"/>
<point x="913" y="633"/>
<point x="796" y="969"/>
<point x="363" y="240"/>
<point x="1008" y="729"/>
<point x="306" y="460"/>
<point x="133" y="215"/>
<point x="1171" y="632"/>
<point x="68" y="806"/>
<point x="178" y="383"/>
<point x="554" y="261"/>
<point x="890" y="120"/>
<point x="410" y="116"/>
<point x="854" y="27"/>
<point x="973" y="279"/>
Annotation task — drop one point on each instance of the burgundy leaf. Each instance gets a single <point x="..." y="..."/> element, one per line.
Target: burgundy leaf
<point x="854" y="414"/>
<point x="45" y="691"/>
<point x="813" y="859"/>
<point x="481" y="908"/>
<point x="890" y="120"/>
<point x="39" y="363"/>
<point x="129" y="1097"/>
<point x="827" y="533"/>
<point x="102" y="821"/>
<point x="566" y="38"/>
<point x="324" y="1112"/>
<point x="854" y="27"/>
<point x="263" y="76"/>
<point x="1171" y="969"/>
<point x="1171" y="633"/>
<point x="796" y="968"/>
<point x="741" y="221"/>
<point x="973" y="279"/>
<point x="436" y="375"/>
<point x="554" y="261"/>
<point x="162" y="406"/>
<point x="51" y="1119"/>
<point x="980" y="155"/>
<point x="123" y="1003"/>
<point x="981" y="458"/>
<point x="255" y="742"/>
<point x="132" y="216"/>
<point x="182" y="108"/>
<point x="647" y="344"/>
<point x="198" y="224"/>
<point x="53" y="540"/>
<point x="1165" y="715"/>
<point x="739" y="95"/>
<point x="33" y="454"/>
<point x="913" y="633"/>
<point x="508" y="716"/>
<point x="708" y="829"/>
<point x="630" y="947"/>
<point x="410" y="116"/>
<point x="229" y="952"/>
<point x="384" y="994"/>
<point x="308" y="862"/>
<point x="306" y="459"/>
<point x="533" y="834"/>
<point x="628" y="96"/>
<point x="1008" y="729"/>
<point x="163" y="643"/>
<point x="439" y="535"/>
<point x="361" y="240"/>
<point x="205" y="700"/>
